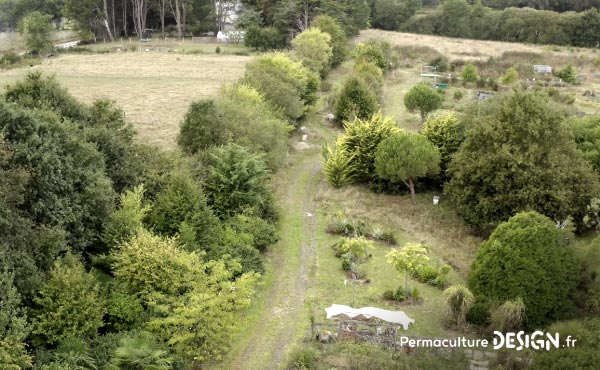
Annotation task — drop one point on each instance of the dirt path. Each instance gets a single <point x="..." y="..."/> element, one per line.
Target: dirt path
<point x="284" y="319"/>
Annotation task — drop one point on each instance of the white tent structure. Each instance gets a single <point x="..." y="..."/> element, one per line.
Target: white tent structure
<point x="337" y="311"/>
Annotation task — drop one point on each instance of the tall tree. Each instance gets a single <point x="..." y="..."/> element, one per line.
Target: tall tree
<point x="527" y="257"/>
<point x="140" y="15"/>
<point x="518" y="156"/>
<point x="405" y="157"/>
<point x="423" y="99"/>
<point x="37" y="27"/>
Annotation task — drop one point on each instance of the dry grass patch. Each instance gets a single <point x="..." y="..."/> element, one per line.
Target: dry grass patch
<point x="436" y="226"/>
<point x="154" y="89"/>
<point x="455" y="48"/>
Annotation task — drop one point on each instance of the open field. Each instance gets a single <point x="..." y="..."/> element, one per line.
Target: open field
<point x="154" y="89"/>
<point x="455" y="48"/>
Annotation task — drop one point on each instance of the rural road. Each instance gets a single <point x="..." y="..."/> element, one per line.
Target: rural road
<point x="284" y="318"/>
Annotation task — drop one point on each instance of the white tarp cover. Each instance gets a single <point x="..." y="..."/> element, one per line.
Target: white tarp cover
<point x="394" y="317"/>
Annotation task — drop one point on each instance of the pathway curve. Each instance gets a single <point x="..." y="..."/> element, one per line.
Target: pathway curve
<point x="283" y="321"/>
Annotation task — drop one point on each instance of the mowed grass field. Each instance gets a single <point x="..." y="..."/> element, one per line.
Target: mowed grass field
<point x="154" y="89"/>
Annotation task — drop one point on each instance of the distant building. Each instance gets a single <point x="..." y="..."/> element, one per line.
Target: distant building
<point x="541" y="68"/>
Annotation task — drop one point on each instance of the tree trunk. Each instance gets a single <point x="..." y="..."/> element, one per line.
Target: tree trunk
<point x="113" y="18"/>
<point x="183" y="17"/>
<point x="140" y="11"/>
<point x="411" y="186"/>
<point x="105" y="21"/>
<point x="177" y="14"/>
<point x="162" y="12"/>
<point x="125" y="18"/>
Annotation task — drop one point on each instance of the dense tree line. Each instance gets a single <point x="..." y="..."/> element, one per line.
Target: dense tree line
<point x="113" y="18"/>
<point x="109" y="248"/>
<point x="273" y="24"/>
<point x="555" y="5"/>
<point x="458" y="18"/>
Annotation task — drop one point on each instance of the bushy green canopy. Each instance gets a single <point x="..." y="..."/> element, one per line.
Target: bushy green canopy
<point x="313" y="47"/>
<point x="446" y="132"/>
<point x="405" y="156"/>
<point x="518" y="156"/>
<point x="287" y="84"/>
<point x="422" y="99"/>
<point x="527" y="257"/>
<point x="361" y="140"/>
<point x="356" y="100"/>
<point x="70" y="303"/>
<point x="338" y="38"/>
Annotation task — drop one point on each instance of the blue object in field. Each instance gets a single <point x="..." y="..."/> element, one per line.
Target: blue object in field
<point x="440" y="85"/>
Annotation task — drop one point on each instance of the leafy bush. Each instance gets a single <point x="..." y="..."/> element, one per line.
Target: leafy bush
<point x="264" y="38"/>
<point x="384" y="235"/>
<point x="303" y="359"/>
<point x="434" y="276"/>
<point x="356" y="100"/>
<point x="337" y="167"/>
<point x="313" y="47"/>
<point x="338" y="38"/>
<point x="510" y="76"/>
<point x="375" y="51"/>
<point x="14" y="327"/>
<point x="584" y="355"/>
<point x="372" y="75"/>
<point x="479" y="313"/>
<point x="356" y="249"/>
<point x="237" y="181"/>
<point x="201" y="128"/>
<point x="586" y="132"/>
<point x="263" y="233"/>
<point x="446" y="132"/>
<point x="522" y="128"/>
<point x="526" y="257"/>
<point x="361" y="140"/>
<point x="397" y="295"/>
<point x="469" y="73"/>
<point x="287" y="84"/>
<point x="590" y="284"/>
<point x="249" y="121"/>
<point x="440" y="63"/>
<point x="182" y="202"/>
<point x="567" y="74"/>
<point x="241" y="116"/>
<point x="509" y="316"/>
<point x="422" y="99"/>
<point x="124" y="222"/>
<point x="340" y="224"/>
<point x="10" y="58"/>
<point x="124" y="311"/>
<point x="70" y="286"/>
<point x="459" y="301"/>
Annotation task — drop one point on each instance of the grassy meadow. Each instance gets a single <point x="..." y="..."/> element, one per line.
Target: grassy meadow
<point x="154" y="89"/>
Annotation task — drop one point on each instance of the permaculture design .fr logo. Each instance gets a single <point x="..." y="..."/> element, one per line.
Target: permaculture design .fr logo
<point x="518" y="341"/>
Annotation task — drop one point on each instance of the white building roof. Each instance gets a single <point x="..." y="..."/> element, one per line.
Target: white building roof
<point x="394" y="317"/>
